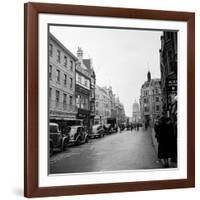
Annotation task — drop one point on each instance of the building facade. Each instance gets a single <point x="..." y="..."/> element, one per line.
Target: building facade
<point x="102" y="105"/>
<point x="136" y="112"/>
<point x="90" y="69"/>
<point x="61" y="81"/>
<point x="168" y="68"/>
<point x="107" y="105"/>
<point x="121" y="117"/>
<point x="150" y="100"/>
<point x="82" y="90"/>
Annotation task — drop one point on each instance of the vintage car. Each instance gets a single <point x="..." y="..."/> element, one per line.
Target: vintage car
<point x="77" y="135"/>
<point x="110" y="128"/>
<point x="57" y="140"/>
<point x="97" y="131"/>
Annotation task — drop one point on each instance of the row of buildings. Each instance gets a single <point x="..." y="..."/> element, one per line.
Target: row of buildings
<point x="158" y="96"/>
<point x="73" y="93"/>
<point x="107" y="106"/>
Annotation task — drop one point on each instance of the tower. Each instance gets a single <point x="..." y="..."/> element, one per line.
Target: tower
<point x="80" y="53"/>
<point x="149" y="76"/>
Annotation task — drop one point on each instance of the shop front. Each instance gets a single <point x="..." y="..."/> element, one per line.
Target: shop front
<point x="85" y="116"/>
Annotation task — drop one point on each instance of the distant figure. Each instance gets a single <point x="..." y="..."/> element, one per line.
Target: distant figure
<point x="138" y="127"/>
<point x="131" y="127"/>
<point x="120" y="128"/>
<point x="164" y="135"/>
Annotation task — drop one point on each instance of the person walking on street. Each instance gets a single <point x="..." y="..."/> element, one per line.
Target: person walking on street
<point x="164" y="135"/>
<point x="138" y="127"/>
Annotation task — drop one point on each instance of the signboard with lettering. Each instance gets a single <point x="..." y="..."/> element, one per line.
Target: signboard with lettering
<point x="62" y="114"/>
<point x="172" y="86"/>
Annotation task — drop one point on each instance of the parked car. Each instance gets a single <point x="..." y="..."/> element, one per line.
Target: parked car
<point x="77" y="135"/>
<point x="121" y="126"/>
<point x="113" y="125"/>
<point x="110" y="128"/>
<point x="107" y="128"/>
<point x="57" y="140"/>
<point x="97" y="131"/>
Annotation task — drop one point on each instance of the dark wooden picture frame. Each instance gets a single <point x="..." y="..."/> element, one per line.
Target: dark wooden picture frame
<point x="31" y="102"/>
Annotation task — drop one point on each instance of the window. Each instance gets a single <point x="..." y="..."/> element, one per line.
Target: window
<point x="93" y="93"/>
<point x="50" y="72"/>
<point x="50" y="93"/>
<point x="156" y="91"/>
<point x="86" y="103"/>
<point x="146" y="109"/>
<point x="58" y="76"/>
<point x="97" y="104"/>
<point x="65" y="61"/>
<point x="58" y="56"/>
<point x="71" y="83"/>
<point x="157" y="99"/>
<point x="146" y="100"/>
<point x="79" y="78"/>
<point x="65" y="79"/>
<point x="70" y="100"/>
<point x="71" y="65"/>
<point x="146" y="93"/>
<point x="82" y="102"/>
<point x="57" y="96"/>
<point x="157" y="108"/>
<point x="51" y="50"/>
<point x="78" y="101"/>
<point x="64" y="98"/>
<point x="86" y="83"/>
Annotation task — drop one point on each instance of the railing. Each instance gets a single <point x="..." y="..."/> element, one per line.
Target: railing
<point x="60" y="106"/>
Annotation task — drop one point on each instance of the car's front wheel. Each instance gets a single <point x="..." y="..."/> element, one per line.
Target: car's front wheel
<point x="78" y="142"/>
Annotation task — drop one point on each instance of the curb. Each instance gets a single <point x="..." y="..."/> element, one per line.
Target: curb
<point x="154" y="140"/>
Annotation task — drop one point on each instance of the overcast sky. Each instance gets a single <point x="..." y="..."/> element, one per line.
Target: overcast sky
<point x="121" y="58"/>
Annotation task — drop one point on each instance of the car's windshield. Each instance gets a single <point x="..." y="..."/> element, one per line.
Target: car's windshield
<point x="72" y="130"/>
<point x="95" y="127"/>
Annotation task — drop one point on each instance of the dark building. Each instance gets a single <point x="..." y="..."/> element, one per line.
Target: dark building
<point x="88" y="64"/>
<point x="168" y="68"/>
<point x="85" y="89"/>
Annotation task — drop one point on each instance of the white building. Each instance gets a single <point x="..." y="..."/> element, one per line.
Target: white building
<point x="61" y="81"/>
<point x="136" y="117"/>
<point x="150" y="100"/>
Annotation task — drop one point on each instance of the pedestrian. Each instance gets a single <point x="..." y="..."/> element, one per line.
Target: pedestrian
<point x="164" y="135"/>
<point x="145" y="126"/>
<point x="138" y="127"/>
<point x="174" y="140"/>
<point x="120" y="128"/>
<point x="131" y="127"/>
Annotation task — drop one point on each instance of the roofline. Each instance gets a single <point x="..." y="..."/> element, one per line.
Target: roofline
<point x="62" y="46"/>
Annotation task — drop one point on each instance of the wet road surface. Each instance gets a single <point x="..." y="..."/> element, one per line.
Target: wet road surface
<point x="119" y="151"/>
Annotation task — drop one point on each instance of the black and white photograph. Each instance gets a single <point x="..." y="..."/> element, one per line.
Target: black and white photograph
<point x="112" y="99"/>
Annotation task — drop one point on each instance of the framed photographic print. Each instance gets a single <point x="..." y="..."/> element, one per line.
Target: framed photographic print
<point x="109" y="99"/>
